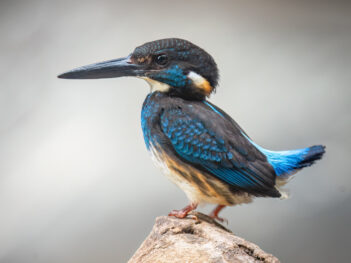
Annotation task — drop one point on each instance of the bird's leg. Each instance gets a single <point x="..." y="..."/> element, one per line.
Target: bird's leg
<point x="215" y="212"/>
<point x="183" y="212"/>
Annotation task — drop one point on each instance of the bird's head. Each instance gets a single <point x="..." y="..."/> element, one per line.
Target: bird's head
<point x="174" y="66"/>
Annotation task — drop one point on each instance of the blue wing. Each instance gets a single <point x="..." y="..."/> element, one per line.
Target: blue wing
<point x="217" y="145"/>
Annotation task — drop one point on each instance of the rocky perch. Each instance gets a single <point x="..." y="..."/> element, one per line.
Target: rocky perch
<point x="200" y="240"/>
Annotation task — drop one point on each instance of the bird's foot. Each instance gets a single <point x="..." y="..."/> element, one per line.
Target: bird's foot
<point x="215" y="212"/>
<point x="220" y="219"/>
<point x="183" y="212"/>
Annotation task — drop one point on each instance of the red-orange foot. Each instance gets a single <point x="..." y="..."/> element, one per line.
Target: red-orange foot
<point x="215" y="212"/>
<point x="183" y="212"/>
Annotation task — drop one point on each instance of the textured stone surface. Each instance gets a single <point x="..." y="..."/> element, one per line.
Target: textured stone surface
<point x="196" y="241"/>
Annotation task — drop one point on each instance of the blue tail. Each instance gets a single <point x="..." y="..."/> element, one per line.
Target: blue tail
<point x="286" y="163"/>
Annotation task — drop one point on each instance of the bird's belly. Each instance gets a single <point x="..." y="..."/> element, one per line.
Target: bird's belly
<point x="198" y="186"/>
<point x="190" y="190"/>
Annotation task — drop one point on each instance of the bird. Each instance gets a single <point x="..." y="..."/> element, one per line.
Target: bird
<point x="197" y="145"/>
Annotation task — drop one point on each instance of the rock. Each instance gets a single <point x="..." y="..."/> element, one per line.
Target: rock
<point x="200" y="240"/>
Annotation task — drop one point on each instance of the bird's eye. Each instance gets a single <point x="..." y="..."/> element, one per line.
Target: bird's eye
<point x="161" y="59"/>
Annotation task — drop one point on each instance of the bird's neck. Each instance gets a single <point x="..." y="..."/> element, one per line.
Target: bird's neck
<point x="197" y="88"/>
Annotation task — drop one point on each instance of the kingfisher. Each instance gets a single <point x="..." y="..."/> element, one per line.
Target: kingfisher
<point x="196" y="144"/>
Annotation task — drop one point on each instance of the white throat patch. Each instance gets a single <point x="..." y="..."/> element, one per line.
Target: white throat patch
<point x="156" y="85"/>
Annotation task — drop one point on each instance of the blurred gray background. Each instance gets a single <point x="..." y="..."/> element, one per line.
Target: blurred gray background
<point x="76" y="182"/>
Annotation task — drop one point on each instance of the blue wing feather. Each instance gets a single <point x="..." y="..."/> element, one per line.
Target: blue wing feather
<point x="199" y="145"/>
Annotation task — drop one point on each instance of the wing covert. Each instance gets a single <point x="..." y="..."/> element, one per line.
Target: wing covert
<point x="215" y="151"/>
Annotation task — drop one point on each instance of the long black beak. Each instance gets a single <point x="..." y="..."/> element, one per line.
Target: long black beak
<point x="108" y="69"/>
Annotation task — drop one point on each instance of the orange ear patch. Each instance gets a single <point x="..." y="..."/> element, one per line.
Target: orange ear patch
<point x="201" y="83"/>
<point x="206" y="87"/>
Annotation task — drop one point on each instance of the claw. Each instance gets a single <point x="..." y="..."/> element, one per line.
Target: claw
<point x="215" y="212"/>
<point x="183" y="212"/>
<point x="221" y="219"/>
